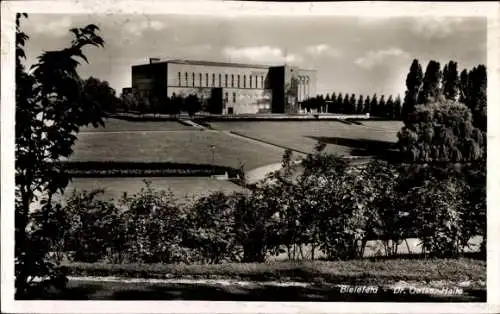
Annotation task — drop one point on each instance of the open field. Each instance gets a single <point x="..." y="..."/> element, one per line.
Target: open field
<point x="171" y="141"/>
<point x="114" y="125"/>
<point x="181" y="187"/>
<point x="191" y="146"/>
<point x="342" y="138"/>
<point x="390" y="126"/>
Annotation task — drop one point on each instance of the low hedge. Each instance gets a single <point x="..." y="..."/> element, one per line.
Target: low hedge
<point x="139" y="169"/>
<point x="353" y="271"/>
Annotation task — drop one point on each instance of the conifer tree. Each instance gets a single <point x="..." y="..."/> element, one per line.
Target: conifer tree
<point x="326" y="103"/>
<point x="450" y="81"/>
<point x="431" y="88"/>
<point x="477" y="97"/>
<point x="321" y="103"/>
<point x="340" y="103"/>
<point x="381" y="107"/>
<point x="397" y="108"/>
<point x="413" y="86"/>
<point x="332" y="108"/>
<point x="366" y="106"/>
<point x="464" y="86"/>
<point x="352" y="104"/>
<point x="346" y="104"/>
<point x="359" y="106"/>
<point x="374" y="105"/>
<point x="390" y="113"/>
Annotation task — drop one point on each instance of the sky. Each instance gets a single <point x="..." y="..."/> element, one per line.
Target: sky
<point x="361" y="55"/>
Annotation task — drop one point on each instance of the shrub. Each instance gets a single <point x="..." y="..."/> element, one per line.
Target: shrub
<point x="437" y="208"/>
<point x="442" y="131"/>
<point x="344" y="221"/>
<point x="94" y="227"/>
<point x="153" y="227"/>
<point x="255" y="226"/>
<point x="387" y="218"/>
<point x="211" y="228"/>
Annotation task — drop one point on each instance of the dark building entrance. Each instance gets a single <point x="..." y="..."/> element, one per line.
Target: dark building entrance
<point x="230" y="110"/>
<point x="215" y="101"/>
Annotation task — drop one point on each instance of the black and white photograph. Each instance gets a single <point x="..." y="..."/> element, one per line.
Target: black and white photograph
<point x="189" y="154"/>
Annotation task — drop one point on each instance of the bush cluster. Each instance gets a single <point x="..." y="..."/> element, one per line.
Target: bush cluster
<point x="331" y="207"/>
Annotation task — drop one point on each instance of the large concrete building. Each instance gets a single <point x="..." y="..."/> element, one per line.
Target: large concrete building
<point x="230" y="88"/>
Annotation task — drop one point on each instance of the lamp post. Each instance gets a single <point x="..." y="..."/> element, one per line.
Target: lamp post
<point x="212" y="148"/>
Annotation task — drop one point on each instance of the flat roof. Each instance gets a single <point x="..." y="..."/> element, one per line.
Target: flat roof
<point x="218" y="64"/>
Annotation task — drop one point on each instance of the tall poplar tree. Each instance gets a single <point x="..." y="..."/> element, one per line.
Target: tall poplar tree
<point x="397" y="108"/>
<point x="340" y="103"/>
<point x="366" y="106"/>
<point x="431" y="88"/>
<point x="382" y="110"/>
<point x="359" y="106"/>
<point x="390" y="113"/>
<point x="413" y="86"/>
<point x="477" y="96"/>
<point x="374" y="105"/>
<point x="346" y="104"/>
<point x="327" y="100"/>
<point x="450" y="81"/>
<point x="352" y="103"/>
<point x="464" y="86"/>
<point x="331" y="106"/>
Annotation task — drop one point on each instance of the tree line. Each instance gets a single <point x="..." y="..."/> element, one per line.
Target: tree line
<point x="101" y="94"/>
<point x="389" y="107"/>
<point x="174" y="105"/>
<point x="468" y="88"/>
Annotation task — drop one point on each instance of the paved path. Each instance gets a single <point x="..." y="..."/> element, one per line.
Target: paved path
<point x="232" y="290"/>
<point x="257" y="174"/>
<point x="192" y="123"/>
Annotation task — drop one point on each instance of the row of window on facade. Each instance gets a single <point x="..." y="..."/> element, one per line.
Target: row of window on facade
<point x="242" y="96"/>
<point x="230" y="81"/>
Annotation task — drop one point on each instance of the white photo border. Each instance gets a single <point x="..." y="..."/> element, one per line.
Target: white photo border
<point x="233" y="9"/>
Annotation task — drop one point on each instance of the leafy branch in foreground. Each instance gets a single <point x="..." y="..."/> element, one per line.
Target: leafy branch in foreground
<point x="51" y="106"/>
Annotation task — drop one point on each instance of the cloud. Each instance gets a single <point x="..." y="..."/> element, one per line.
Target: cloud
<point x="323" y="50"/>
<point x="138" y="28"/>
<point x="373" y="58"/>
<point x="436" y="27"/>
<point x="260" y="54"/>
<point x="56" y="27"/>
<point x="202" y="48"/>
<point x="370" y="21"/>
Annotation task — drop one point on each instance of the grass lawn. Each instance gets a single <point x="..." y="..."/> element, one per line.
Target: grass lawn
<point x="354" y="271"/>
<point x="342" y="138"/>
<point x="170" y="141"/>
<point x="181" y="187"/>
<point x="391" y="126"/>
<point x="114" y="125"/>
<point x="191" y="146"/>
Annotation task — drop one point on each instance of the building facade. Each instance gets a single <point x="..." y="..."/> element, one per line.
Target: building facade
<point x="229" y="88"/>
